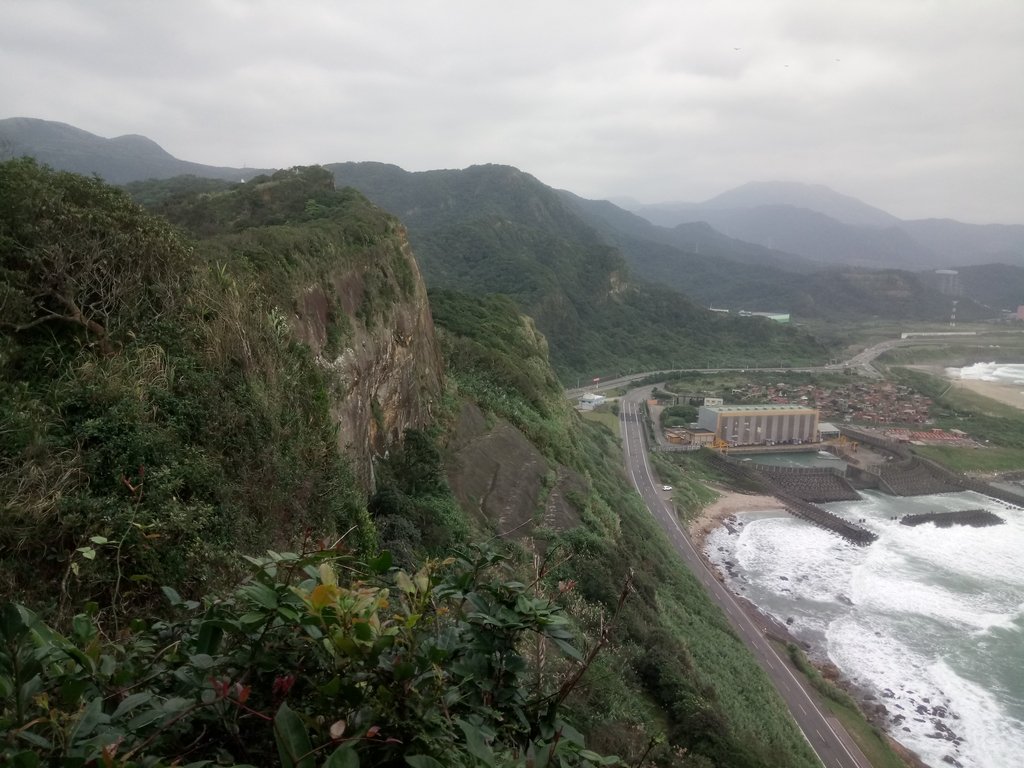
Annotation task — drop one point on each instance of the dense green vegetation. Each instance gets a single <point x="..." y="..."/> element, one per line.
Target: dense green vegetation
<point x="162" y="417"/>
<point x="988" y="346"/>
<point x="604" y="415"/>
<point x="690" y="475"/>
<point x="157" y="414"/>
<point x="317" y="657"/>
<point x="493" y="229"/>
<point x="159" y="418"/>
<point x="672" y="665"/>
<point x="987" y="459"/>
<point x="678" y="415"/>
<point x="721" y="271"/>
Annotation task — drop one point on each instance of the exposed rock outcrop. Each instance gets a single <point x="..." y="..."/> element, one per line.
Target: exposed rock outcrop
<point x="387" y="369"/>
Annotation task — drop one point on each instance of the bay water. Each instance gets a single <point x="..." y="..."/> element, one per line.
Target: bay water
<point x="930" y="620"/>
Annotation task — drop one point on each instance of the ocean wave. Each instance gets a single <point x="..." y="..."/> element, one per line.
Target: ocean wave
<point x="928" y="618"/>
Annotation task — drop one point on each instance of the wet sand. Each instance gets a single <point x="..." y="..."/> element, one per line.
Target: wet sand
<point x="1008" y="394"/>
<point x="728" y="503"/>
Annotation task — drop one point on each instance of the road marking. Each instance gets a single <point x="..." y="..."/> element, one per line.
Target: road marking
<point x="727" y="598"/>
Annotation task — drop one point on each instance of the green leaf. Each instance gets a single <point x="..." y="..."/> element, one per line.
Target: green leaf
<point x="571" y="735"/>
<point x="25" y="760"/>
<point x="363" y="631"/>
<point x="87" y="552"/>
<point x="249" y="621"/>
<point x="403" y="671"/>
<point x="541" y="755"/>
<point x="260" y="594"/>
<point x="35" y="739"/>
<point x="201" y="660"/>
<point x="131" y="702"/>
<point x="210" y="635"/>
<point x="82" y="628"/>
<point x="99" y="539"/>
<point x="176" y="704"/>
<point x="293" y="745"/>
<point x="568" y="649"/>
<point x="90" y="718"/>
<point x="29" y="689"/>
<point x="12" y="625"/>
<point x="343" y="757"/>
<point x="145" y="718"/>
<point x="475" y="742"/>
<point x="422" y="761"/>
<point x="381" y="563"/>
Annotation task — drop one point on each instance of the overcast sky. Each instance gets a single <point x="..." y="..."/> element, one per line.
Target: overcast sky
<point x="915" y="106"/>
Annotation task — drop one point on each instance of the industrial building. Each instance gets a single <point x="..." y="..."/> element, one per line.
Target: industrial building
<point x="682" y="436"/>
<point x="760" y="424"/>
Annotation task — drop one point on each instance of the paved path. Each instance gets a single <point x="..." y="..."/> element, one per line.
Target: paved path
<point x="827" y="737"/>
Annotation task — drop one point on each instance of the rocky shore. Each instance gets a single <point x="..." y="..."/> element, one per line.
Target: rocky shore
<point x="883" y="716"/>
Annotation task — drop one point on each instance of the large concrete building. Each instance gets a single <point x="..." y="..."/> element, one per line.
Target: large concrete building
<point x="760" y="424"/>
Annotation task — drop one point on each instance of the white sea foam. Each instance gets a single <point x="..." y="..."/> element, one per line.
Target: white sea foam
<point x="928" y="618"/>
<point x="992" y="738"/>
<point x="1008" y="373"/>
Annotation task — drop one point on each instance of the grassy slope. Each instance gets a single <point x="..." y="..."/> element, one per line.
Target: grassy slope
<point x="955" y="408"/>
<point x="673" y="665"/>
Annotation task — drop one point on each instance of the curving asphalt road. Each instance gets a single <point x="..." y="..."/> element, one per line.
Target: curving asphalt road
<point x="861" y="361"/>
<point x="826" y="736"/>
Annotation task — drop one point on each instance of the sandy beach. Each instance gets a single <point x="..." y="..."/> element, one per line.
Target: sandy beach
<point x="728" y="503"/>
<point x="1008" y="394"/>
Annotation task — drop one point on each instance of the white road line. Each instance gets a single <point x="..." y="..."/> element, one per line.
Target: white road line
<point x="729" y="599"/>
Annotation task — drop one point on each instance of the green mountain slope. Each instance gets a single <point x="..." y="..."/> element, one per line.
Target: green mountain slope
<point x="157" y="390"/>
<point x="672" y="664"/>
<point x="494" y="229"/>
<point x="736" y="275"/>
<point x="170" y="405"/>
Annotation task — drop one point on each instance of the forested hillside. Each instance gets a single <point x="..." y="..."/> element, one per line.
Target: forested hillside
<point x="174" y="406"/>
<point x="494" y="229"/>
<point x="710" y="267"/>
<point x="672" y="668"/>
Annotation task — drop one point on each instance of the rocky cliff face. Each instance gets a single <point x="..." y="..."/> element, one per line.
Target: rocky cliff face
<point x="387" y="371"/>
<point x="342" y="273"/>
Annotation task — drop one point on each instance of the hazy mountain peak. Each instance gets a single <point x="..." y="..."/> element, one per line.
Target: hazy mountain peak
<point x="120" y="160"/>
<point x="142" y="148"/>
<point x="814" y="197"/>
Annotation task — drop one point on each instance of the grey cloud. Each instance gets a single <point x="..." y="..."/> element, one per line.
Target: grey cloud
<point x="651" y="100"/>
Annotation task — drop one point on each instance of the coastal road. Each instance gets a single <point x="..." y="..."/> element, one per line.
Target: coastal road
<point x="827" y="737"/>
<point x="862" y="361"/>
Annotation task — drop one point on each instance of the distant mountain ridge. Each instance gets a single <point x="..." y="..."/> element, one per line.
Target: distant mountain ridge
<point x="119" y="160"/>
<point x="494" y="229"/>
<point x="544" y="241"/>
<point x="813" y="197"/>
<point x="821" y="224"/>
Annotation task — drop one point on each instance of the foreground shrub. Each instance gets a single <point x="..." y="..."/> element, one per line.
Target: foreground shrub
<point x="315" y="659"/>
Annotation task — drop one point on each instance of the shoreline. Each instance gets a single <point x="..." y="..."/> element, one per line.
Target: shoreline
<point x="1007" y="394"/>
<point x="717" y="514"/>
<point x="727" y="504"/>
<point x="1004" y="392"/>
